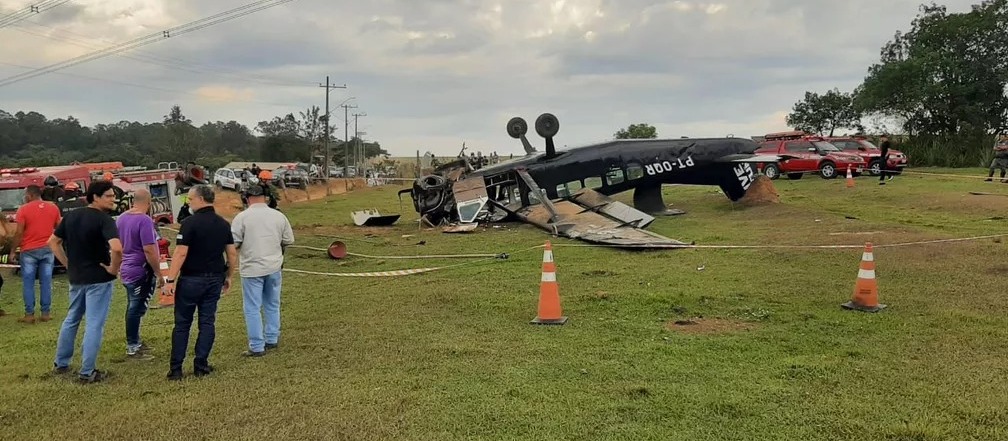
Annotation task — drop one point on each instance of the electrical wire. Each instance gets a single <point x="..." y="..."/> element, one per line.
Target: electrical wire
<point x="15" y="17"/>
<point x="169" y="62"/>
<point x="203" y="23"/>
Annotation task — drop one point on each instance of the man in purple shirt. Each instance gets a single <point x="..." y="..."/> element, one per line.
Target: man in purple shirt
<point x="140" y="266"/>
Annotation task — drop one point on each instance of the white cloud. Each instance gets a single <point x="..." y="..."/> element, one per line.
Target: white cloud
<point x="433" y="74"/>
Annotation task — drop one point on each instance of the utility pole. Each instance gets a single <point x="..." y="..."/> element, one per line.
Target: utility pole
<point x="325" y="167"/>
<point x="360" y="146"/>
<point x="346" y="142"/>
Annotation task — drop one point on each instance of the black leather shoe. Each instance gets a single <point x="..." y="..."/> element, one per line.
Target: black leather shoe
<point x="174" y="375"/>
<point x="203" y="371"/>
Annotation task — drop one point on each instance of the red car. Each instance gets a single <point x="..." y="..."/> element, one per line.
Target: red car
<point x="870" y="153"/>
<point x="805" y="153"/>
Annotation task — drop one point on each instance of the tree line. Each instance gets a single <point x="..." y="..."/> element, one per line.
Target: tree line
<point x="31" y="139"/>
<point x="942" y="86"/>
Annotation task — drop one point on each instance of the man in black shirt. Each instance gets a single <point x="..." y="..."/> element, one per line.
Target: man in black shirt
<point x="92" y="257"/>
<point x="884" y="166"/>
<point x="197" y="277"/>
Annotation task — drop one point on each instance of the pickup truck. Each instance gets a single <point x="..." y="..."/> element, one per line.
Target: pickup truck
<point x="870" y="153"/>
<point x="803" y="153"/>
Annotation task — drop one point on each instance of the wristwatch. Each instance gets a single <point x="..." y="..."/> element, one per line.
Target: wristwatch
<point x="169" y="281"/>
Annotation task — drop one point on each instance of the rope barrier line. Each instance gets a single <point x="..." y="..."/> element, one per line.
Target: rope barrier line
<point x="406" y="272"/>
<point x="859" y="246"/>
<point x="434" y="256"/>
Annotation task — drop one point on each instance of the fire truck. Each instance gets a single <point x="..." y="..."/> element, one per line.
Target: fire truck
<point x="14" y="181"/>
<point x="160" y="182"/>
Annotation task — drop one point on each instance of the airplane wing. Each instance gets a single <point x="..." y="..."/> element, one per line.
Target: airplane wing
<point x="742" y="157"/>
<point x="593" y="217"/>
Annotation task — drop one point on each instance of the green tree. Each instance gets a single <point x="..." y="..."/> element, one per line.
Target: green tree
<point x="824" y="113"/>
<point x="947" y="75"/>
<point x="184" y="140"/>
<point x="637" y="131"/>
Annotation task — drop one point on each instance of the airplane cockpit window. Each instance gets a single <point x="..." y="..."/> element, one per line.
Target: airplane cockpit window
<point x="593" y="182"/>
<point x="634" y="171"/>
<point x="615" y="176"/>
<point x="468" y="210"/>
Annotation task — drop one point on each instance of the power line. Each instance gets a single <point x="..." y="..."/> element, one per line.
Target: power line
<point x="29" y="11"/>
<point x="212" y="20"/>
<point x="168" y="62"/>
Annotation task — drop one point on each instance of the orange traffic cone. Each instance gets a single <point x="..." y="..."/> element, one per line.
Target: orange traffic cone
<point x="850" y="178"/>
<point x="865" y="296"/>
<point x="164" y="300"/>
<point x="549" y="293"/>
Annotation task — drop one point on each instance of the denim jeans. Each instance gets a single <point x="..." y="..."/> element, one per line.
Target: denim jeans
<point x="262" y="293"/>
<point x="37" y="262"/>
<point x="138" y="294"/>
<point x="90" y="302"/>
<point x="194" y="293"/>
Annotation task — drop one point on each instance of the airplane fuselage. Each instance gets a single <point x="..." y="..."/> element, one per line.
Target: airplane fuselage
<point x="620" y="165"/>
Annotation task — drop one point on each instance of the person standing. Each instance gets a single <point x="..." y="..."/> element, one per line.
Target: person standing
<point x="261" y="234"/>
<point x="202" y="276"/>
<point x="92" y="258"/>
<point x="140" y="267"/>
<point x="36" y="220"/>
<point x="1000" y="160"/>
<point x="884" y="166"/>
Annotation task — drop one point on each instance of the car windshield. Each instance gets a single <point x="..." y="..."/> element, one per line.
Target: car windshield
<point x="11" y="198"/>
<point x="824" y="146"/>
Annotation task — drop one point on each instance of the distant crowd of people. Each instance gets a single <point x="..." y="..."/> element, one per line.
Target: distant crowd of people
<point x="96" y="250"/>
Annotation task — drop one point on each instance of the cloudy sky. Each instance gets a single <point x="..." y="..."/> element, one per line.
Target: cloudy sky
<point x="431" y="74"/>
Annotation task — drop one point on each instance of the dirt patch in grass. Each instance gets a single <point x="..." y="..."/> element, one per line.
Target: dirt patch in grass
<point x="971" y="203"/>
<point x="761" y="192"/>
<point x="709" y="326"/>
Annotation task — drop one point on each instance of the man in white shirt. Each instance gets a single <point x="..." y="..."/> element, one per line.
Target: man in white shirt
<point x="261" y="235"/>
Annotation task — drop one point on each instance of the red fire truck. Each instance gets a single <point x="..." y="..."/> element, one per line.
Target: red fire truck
<point x="14" y="181"/>
<point x="165" y="204"/>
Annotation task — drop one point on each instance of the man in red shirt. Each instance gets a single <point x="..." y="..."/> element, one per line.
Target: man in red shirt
<point x="36" y="221"/>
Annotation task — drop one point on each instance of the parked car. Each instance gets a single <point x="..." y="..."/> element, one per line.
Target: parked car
<point x="806" y="153"/>
<point x="230" y="178"/>
<point x="291" y="177"/>
<point x="870" y="153"/>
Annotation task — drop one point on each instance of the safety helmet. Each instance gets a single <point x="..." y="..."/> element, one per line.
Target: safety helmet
<point x="71" y="186"/>
<point x="51" y="181"/>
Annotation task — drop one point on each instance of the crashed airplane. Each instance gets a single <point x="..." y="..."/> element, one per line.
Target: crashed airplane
<point x="566" y="192"/>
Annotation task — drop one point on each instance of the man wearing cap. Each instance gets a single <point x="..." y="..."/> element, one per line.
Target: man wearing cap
<point x="261" y="234"/>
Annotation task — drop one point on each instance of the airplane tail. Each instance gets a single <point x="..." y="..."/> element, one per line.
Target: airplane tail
<point x="736" y="179"/>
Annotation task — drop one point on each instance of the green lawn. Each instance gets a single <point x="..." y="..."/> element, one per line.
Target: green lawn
<point x="451" y="354"/>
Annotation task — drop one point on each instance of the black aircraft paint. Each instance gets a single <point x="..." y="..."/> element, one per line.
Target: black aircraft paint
<point x="611" y="167"/>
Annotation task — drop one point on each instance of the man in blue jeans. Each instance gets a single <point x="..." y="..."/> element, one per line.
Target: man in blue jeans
<point x="36" y="220"/>
<point x="92" y="258"/>
<point x="203" y="275"/>
<point x="139" y="276"/>
<point x="261" y="235"/>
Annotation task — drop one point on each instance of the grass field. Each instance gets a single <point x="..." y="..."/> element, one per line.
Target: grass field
<point x="450" y="354"/>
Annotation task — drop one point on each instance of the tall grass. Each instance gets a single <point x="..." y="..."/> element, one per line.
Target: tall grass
<point x="948" y="151"/>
